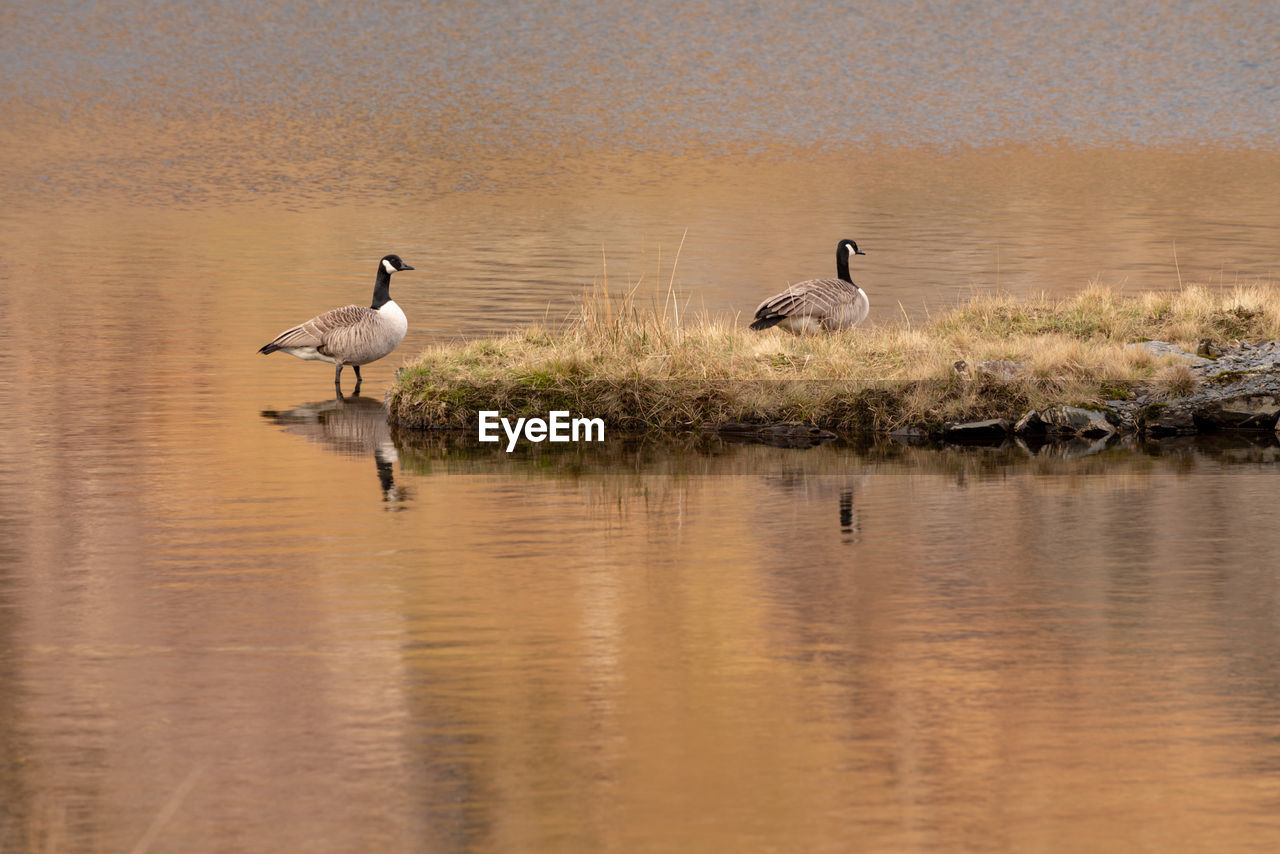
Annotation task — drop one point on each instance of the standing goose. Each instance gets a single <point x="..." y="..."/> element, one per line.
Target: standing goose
<point x="818" y="305"/>
<point x="351" y="335"/>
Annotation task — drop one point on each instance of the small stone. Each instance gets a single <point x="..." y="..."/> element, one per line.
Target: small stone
<point x="784" y="434"/>
<point x="797" y="430"/>
<point x="1000" y="369"/>
<point x="991" y="428"/>
<point x="777" y="430"/>
<point x="1208" y="348"/>
<point x="1075" y="421"/>
<point x="910" y="435"/>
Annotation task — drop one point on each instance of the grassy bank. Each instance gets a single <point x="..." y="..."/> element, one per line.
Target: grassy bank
<point x="648" y="364"/>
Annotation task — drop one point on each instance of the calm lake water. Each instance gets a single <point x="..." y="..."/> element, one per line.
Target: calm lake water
<point x="237" y="614"/>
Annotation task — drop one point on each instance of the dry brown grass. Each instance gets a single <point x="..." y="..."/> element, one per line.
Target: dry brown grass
<point x="1174" y="381"/>
<point x="629" y="361"/>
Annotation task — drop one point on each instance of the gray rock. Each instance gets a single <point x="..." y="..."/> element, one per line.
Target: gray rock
<point x="1125" y="412"/>
<point x="1000" y="369"/>
<point x="1030" y="424"/>
<point x="797" y="429"/>
<point x="1074" y="421"/>
<point x="1164" y="348"/>
<point x="1238" y="390"/>
<point x="910" y="434"/>
<point x="1208" y="348"/>
<point x="1249" y="411"/>
<point x="991" y="428"/>
<point x="790" y="434"/>
<point x="1166" y="419"/>
<point x="1242" y="357"/>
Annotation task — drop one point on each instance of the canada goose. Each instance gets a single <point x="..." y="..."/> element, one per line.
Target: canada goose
<point x="818" y="305"/>
<point x="351" y="335"/>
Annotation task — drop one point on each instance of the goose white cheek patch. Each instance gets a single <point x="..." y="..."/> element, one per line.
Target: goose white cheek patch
<point x="387" y="266"/>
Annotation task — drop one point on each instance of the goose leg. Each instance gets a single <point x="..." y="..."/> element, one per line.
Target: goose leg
<point x="337" y="375"/>
<point x="359" y="379"/>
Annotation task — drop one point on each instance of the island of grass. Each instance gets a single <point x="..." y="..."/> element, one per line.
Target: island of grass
<point x="994" y="357"/>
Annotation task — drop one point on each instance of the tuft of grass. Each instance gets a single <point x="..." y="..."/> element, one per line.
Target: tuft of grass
<point x="654" y="364"/>
<point x="1173" y="381"/>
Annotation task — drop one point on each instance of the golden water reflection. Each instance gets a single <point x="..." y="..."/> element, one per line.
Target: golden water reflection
<point x="658" y="648"/>
<point x="936" y="227"/>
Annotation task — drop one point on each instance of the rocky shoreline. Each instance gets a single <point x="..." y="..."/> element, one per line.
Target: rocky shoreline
<point x="1219" y="389"/>
<point x="1230" y="388"/>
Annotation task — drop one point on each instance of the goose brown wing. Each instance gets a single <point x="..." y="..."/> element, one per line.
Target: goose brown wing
<point x="814" y="298"/>
<point x="356" y="336"/>
<point x="321" y="328"/>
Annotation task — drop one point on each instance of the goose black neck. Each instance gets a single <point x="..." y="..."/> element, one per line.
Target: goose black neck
<point x="381" y="288"/>
<point x="842" y="265"/>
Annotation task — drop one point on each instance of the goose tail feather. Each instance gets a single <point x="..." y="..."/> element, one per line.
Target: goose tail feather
<point x="767" y="321"/>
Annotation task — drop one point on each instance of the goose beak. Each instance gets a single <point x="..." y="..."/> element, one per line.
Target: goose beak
<point x="858" y="252"/>
<point x="404" y="267"/>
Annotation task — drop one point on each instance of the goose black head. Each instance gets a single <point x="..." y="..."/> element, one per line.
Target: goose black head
<point x="845" y="250"/>
<point x="393" y="264"/>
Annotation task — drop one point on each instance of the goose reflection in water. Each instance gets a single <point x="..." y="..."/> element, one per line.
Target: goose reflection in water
<point x="353" y="426"/>
<point x="850" y="526"/>
<point x="815" y="494"/>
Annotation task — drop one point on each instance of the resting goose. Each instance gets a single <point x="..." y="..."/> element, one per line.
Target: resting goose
<point x="818" y="305"/>
<point x="351" y="335"/>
